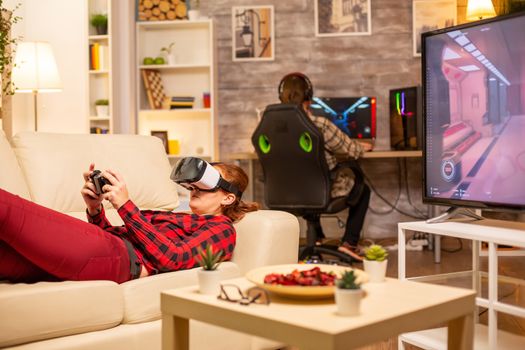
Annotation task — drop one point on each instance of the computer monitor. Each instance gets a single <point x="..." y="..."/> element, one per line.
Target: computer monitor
<point x="355" y="116"/>
<point x="405" y="118"/>
<point x="474" y="114"/>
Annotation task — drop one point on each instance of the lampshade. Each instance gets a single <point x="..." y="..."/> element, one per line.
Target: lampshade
<point x="35" y="68"/>
<point x="479" y="9"/>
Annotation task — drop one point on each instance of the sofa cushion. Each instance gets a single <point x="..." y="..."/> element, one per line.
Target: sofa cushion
<point x="46" y="310"/>
<point x="142" y="296"/>
<point x="53" y="165"/>
<point x="11" y="176"/>
<point x="266" y="237"/>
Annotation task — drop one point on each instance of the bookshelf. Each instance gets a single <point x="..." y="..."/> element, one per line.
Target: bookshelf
<point x="189" y="72"/>
<point x="100" y="78"/>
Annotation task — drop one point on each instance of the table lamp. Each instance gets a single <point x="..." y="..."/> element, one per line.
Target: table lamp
<point x="479" y="9"/>
<point x="35" y="71"/>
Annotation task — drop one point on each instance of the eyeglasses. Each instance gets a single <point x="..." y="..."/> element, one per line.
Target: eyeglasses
<point x="234" y="294"/>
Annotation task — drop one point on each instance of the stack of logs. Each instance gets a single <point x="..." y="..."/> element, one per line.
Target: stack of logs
<point x="161" y="10"/>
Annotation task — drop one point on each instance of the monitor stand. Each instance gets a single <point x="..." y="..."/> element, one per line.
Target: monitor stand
<point x="452" y="212"/>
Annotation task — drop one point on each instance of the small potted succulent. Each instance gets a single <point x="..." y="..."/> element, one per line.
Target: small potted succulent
<point x="100" y="22"/>
<point x="375" y="263"/>
<point x="348" y="294"/>
<point x="209" y="276"/>
<point x="102" y="107"/>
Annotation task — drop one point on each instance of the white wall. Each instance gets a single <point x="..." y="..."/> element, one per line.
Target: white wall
<point x="62" y="23"/>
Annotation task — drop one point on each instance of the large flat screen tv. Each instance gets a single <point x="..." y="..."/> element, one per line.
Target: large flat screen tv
<point x="355" y="116"/>
<point x="474" y="114"/>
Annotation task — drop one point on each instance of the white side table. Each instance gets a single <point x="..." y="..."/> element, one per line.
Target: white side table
<point x="493" y="232"/>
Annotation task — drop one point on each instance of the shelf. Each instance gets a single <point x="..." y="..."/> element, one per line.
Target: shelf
<point x="177" y="24"/>
<point x="437" y="339"/>
<point x="99" y="81"/>
<point x="175" y="66"/>
<point x="99" y="72"/>
<point x="176" y="111"/>
<point x="99" y="119"/>
<point x="98" y="37"/>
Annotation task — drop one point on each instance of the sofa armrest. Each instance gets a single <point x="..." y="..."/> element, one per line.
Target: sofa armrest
<point x="266" y="237"/>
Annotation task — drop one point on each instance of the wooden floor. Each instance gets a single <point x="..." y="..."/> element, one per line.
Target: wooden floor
<point x="456" y="256"/>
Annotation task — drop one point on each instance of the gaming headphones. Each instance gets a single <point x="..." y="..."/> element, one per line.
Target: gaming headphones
<point x="308" y="94"/>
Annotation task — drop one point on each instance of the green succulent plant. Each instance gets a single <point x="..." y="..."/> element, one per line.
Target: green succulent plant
<point x="208" y="259"/>
<point x="376" y="253"/>
<point x="98" y="19"/>
<point x="348" y="280"/>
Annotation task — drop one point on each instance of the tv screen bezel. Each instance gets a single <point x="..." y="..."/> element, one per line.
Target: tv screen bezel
<point x="496" y="206"/>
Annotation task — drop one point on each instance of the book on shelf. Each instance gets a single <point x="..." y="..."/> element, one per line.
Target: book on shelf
<point x="98" y="57"/>
<point x="97" y="130"/>
<point x="177" y="102"/>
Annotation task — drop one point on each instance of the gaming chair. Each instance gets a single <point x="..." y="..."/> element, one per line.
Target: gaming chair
<point x="296" y="176"/>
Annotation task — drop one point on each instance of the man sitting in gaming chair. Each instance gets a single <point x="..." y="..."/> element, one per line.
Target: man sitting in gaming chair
<point x="296" y="88"/>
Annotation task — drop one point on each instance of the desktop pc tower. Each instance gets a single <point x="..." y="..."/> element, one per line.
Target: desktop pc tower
<point x="406" y="123"/>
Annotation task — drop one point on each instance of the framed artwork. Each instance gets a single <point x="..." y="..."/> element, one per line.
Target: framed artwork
<point x="342" y="17"/>
<point x="163" y="135"/>
<point x="430" y="15"/>
<point x="253" y="37"/>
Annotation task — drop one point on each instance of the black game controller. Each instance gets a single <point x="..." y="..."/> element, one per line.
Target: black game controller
<point x="98" y="180"/>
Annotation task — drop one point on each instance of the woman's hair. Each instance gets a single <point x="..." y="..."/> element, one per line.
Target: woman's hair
<point x="294" y="90"/>
<point x="236" y="176"/>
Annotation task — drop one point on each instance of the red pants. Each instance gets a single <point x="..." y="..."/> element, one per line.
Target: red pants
<point x="40" y="244"/>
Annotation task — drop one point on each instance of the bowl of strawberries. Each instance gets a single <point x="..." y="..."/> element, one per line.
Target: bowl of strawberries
<point x="313" y="281"/>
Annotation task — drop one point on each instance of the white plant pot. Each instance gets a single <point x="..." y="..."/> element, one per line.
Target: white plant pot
<point x="209" y="281"/>
<point x="102" y="111"/>
<point x="194" y="15"/>
<point x="376" y="270"/>
<point x="348" y="301"/>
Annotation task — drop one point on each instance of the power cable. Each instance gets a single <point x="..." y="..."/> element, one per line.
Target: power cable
<point x="393" y="207"/>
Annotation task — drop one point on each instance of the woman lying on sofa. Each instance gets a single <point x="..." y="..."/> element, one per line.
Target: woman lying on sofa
<point x="40" y="244"/>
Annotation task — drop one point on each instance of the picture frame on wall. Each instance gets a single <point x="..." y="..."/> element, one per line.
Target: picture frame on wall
<point x="253" y="37"/>
<point x="163" y="136"/>
<point x="430" y="15"/>
<point x="343" y="17"/>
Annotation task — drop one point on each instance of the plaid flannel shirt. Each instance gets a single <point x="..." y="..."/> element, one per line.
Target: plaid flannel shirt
<point x="336" y="142"/>
<point x="166" y="241"/>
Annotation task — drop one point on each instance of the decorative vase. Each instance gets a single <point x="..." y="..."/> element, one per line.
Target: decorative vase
<point x="194" y="15"/>
<point x="209" y="281"/>
<point x="376" y="270"/>
<point x="348" y="301"/>
<point x="102" y="111"/>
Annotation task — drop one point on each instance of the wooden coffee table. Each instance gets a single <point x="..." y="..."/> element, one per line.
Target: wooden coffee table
<point x="389" y="309"/>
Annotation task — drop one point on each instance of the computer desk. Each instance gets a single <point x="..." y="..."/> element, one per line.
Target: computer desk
<point x="251" y="156"/>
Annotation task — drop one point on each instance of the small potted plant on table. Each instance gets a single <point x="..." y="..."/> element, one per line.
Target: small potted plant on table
<point x="100" y="22"/>
<point x="102" y="107"/>
<point x="209" y="276"/>
<point x="348" y="294"/>
<point x="375" y="263"/>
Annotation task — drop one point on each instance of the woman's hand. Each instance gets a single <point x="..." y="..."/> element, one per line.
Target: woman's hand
<point x="93" y="201"/>
<point x="117" y="192"/>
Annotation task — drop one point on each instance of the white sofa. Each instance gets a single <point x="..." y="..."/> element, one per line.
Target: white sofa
<point x="47" y="168"/>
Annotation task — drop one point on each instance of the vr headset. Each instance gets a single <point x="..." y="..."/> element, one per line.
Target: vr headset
<point x="195" y="173"/>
